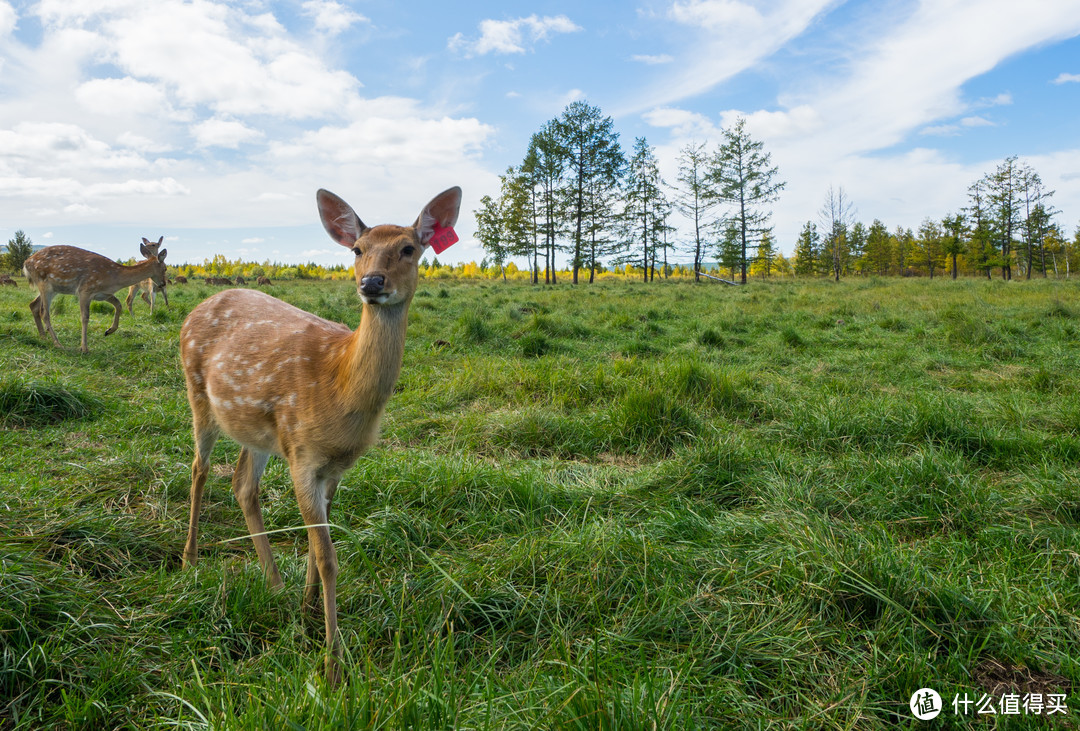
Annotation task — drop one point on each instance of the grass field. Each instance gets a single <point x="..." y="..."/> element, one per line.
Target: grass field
<point x="613" y="506"/>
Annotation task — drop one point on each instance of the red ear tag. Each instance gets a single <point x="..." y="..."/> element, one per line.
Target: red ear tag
<point x="443" y="238"/>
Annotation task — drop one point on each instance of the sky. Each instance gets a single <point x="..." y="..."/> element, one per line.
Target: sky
<point x="213" y="123"/>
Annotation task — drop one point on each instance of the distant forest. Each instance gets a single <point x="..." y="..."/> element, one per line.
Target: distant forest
<point x="578" y="195"/>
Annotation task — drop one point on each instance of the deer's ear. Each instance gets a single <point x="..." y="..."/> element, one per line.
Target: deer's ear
<point x="143" y="250"/>
<point x="160" y="239"/>
<point x="442" y="210"/>
<point x="339" y="219"/>
<point x="161" y="255"/>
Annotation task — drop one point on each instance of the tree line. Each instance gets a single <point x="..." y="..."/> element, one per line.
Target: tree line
<point x="577" y="193"/>
<point x="1009" y="224"/>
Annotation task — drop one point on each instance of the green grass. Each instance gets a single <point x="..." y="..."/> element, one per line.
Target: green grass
<point x="610" y="506"/>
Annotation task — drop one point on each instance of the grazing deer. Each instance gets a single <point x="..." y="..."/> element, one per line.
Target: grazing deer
<point x="181" y="279"/>
<point x="69" y="270"/>
<point x="263" y="281"/>
<point x="8" y="281"/>
<point x="240" y="280"/>
<point x="281" y="381"/>
<point x="148" y="284"/>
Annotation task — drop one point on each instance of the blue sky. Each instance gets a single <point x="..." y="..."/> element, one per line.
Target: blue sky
<point x="213" y="123"/>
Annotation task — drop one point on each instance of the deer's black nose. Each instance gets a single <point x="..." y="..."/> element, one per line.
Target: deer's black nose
<point x="373" y="284"/>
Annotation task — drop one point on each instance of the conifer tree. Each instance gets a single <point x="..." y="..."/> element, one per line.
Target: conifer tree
<point x="643" y="207"/>
<point x="806" y="250"/>
<point x="19" y="249"/>
<point x="952" y="227"/>
<point x="695" y="198"/>
<point x="594" y="162"/>
<point x="744" y="177"/>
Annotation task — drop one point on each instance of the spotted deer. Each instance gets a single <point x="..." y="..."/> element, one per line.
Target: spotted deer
<point x="147" y="285"/>
<point x="281" y="381"/>
<point x="69" y="270"/>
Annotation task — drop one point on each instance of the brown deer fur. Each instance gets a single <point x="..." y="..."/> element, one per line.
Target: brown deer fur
<point x="147" y="285"/>
<point x="282" y="381"/>
<point x="69" y="270"/>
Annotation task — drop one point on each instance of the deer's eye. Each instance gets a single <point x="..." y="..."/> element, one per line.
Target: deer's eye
<point x="408" y="251"/>
<point x="356" y="250"/>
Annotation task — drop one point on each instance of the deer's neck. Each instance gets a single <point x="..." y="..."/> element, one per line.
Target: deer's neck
<point x="369" y="361"/>
<point x="134" y="273"/>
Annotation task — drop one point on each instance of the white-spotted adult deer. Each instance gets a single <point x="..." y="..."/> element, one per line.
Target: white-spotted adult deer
<point x="281" y="381"/>
<point x="147" y="285"/>
<point x="69" y="270"/>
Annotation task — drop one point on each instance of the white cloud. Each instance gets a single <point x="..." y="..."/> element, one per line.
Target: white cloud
<point x="226" y="133"/>
<point x="245" y="64"/>
<point x="574" y="95"/>
<point x="656" y="60"/>
<point x="953" y="130"/>
<point x="57" y="147"/>
<point x="714" y="14"/>
<point x="722" y="39"/>
<point x="316" y="253"/>
<point x="684" y="124"/>
<point x="331" y="17"/>
<point x="8" y="18"/>
<point x="141" y="144"/>
<point x="166" y="187"/>
<point x="941" y="130"/>
<point x="389" y="140"/>
<point x="1067" y="79"/>
<point x="122" y="97"/>
<point x="1001" y="100"/>
<point x="81" y="210"/>
<point x="511" y="36"/>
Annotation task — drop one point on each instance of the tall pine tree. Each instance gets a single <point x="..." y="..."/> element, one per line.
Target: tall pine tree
<point x="594" y="161"/>
<point x="744" y="177"/>
<point x="695" y="198"/>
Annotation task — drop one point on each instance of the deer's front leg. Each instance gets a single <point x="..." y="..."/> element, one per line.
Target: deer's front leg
<point x="311" y="493"/>
<point x="311" y="585"/>
<point x="84" y="315"/>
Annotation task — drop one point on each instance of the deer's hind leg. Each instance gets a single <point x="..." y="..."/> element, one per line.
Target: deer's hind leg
<point x="206" y="435"/>
<point x="245" y="484"/>
<point x="117" y="309"/>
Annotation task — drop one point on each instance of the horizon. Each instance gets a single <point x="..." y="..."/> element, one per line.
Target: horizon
<point x="213" y="124"/>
